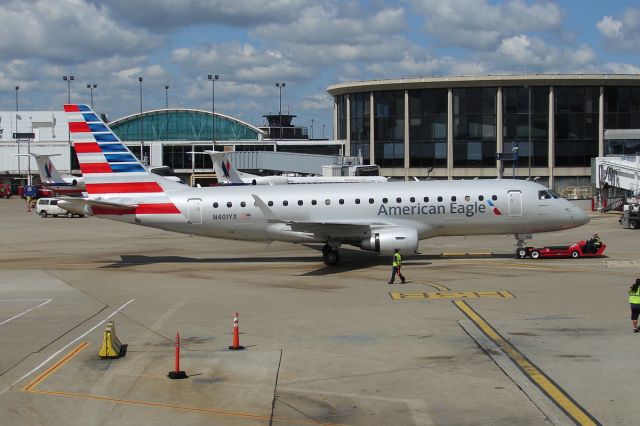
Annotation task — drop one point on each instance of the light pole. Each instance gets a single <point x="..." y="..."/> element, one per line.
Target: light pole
<point x="166" y="96"/>
<point x="529" y="89"/>
<point x="323" y="130"/>
<point x="312" y="128"/>
<point x="16" y="130"/>
<point x="142" y="156"/>
<point x="280" y="85"/>
<point x="68" y="79"/>
<point x="91" y="86"/>
<point x="213" y="78"/>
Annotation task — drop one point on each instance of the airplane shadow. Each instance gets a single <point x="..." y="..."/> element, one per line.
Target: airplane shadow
<point x="350" y="260"/>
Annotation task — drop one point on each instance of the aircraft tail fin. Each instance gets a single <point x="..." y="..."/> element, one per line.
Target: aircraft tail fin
<point x="48" y="172"/>
<point x="109" y="168"/>
<point x="225" y="171"/>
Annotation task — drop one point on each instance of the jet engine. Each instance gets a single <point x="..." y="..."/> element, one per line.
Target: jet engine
<point x="385" y="241"/>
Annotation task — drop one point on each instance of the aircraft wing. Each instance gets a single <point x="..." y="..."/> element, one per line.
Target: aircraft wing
<point x="336" y="230"/>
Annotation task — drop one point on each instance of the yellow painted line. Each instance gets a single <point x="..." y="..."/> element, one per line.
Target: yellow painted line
<point x="183" y="408"/>
<point x="482" y="253"/>
<point x="453" y="295"/>
<point x="54" y="367"/>
<point x="559" y="397"/>
<point x="31" y="388"/>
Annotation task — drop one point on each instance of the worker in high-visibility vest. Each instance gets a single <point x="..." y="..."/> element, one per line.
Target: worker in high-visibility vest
<point x="634" y="301"/>
<point x="397" y="263"/>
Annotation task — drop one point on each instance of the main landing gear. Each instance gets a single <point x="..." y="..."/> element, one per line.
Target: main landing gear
<point x="330" y="254"/>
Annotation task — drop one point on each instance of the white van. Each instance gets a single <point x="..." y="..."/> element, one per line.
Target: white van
<point x="49" y="206"/>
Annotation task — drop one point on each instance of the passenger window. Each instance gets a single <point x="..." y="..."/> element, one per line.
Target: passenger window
<point x="300" y="202"/>
<point x="385" y="200"/>
<point x="467" y="198"/>
<point x="327" y="201"/>
<point x="439" y="199"/>
<point x="285" y="203"/>
<point x="341" y="201"/>
<point x="412" y="199"/>
<point x="314" y="202"/>
<point x="357" y="200"/>
<point x="480" y="197"/>
<point x="426" y="199"/>
<point x="243" y="204"/>
<point x="494" y="197"/>
<point x="53" y="202"/>
<point x="215" y="205"/>
<point x="398" y="200"/>
<point x="371" y="201"/>
<point x="270" y="203"/>
<point x="453" y="198"/>
<point x="229" y="204"/>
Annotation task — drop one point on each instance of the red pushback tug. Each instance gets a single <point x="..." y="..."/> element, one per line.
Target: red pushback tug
<point x="579" y="249"/>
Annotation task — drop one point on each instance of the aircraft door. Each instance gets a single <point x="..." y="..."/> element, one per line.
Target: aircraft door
<point x="195" y="211"/>
<point x="515" y="203"/>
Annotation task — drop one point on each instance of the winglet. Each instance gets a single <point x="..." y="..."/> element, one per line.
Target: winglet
<point x="266" y="211"/>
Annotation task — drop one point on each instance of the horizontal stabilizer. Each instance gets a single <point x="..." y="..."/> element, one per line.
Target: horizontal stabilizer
<point x="85" y="206"/>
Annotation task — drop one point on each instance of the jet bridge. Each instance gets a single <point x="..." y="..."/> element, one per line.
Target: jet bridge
<point x="619" y="172"/>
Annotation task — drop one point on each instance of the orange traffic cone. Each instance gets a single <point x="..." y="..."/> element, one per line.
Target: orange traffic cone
<point x="177" y="373"/>
<point x="236" y="335"/>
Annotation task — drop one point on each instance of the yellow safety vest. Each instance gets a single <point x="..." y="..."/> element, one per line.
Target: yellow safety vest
<point x="397" y="260"/>
<point x="634" y="298"/>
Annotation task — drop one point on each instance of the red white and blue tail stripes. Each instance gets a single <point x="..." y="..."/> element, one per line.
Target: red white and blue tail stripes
<point x="110" y="170"/>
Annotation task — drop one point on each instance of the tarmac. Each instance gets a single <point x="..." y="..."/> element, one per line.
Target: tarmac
<point x="475" y="337"/>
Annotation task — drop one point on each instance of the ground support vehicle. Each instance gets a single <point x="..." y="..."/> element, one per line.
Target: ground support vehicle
<point x="49" y="207"/>
<point x="576" y="250"/>
<point x="630" y="216"/>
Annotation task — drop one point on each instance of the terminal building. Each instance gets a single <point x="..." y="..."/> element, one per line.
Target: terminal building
<point x="173" y="138"/>
<point x="546" y="127"/>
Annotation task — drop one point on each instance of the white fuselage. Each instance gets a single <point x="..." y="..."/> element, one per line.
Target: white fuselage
<point x="433" y="208"/>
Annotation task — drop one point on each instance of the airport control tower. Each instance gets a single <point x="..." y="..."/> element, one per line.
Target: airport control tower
<point x="277" y="129"/>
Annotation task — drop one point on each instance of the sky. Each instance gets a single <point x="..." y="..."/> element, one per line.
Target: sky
<point x="306" y="44"/>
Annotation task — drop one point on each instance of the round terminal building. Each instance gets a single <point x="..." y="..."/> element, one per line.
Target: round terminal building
<point x="544" y="127"/>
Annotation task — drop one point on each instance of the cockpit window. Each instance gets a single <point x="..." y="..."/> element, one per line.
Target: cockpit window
<point x="554" y="194"/>
<point x="544" y="195"/>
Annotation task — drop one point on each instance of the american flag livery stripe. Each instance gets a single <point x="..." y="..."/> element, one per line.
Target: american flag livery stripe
<point x="84" y="147"/>
<point x="111" y="171"/>
<point x="157" y="208"/>
<point x="95" y="168"/>
<point x="120" y="188"/>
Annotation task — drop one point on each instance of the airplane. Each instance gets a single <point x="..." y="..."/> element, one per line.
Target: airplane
<point x="375" y="217"/>
<point x="69" y="185"/>
<point x="229" y="175"/>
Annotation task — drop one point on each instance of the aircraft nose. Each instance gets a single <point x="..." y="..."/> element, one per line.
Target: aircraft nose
<point x="578" y="216"/>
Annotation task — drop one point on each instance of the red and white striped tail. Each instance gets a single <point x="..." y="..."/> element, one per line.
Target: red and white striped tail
<point x="110" y="170"/>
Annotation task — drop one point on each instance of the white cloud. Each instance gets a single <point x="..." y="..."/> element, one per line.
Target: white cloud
<point x="621" y="35"/>
<point x="65" y="31"/>
<point x="163" y="15"/>
<point x="317" y="101"/>
<point x="243" y="62"/>
<point x="480" y="24"/>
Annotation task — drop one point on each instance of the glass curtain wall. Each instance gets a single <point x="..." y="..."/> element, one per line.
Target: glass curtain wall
<point x="389" y="128"/>
<point x="360" y="125"/>
<point x="576" y="126"/>
<point x="181" y="125"/>
<point x="474" y="127"/>
<point x="515" y="104"/>
<point x="428" y="127"/>
<point x="622" y="111"/>
<point x="341" y="102"/>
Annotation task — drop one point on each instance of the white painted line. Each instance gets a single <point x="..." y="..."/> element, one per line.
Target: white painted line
<point x="43" y="363"/>
<point x="25" y="312"/>
<point x="22" y="300"/>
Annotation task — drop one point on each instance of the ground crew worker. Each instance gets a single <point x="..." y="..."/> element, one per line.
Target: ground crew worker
<point x="634" y="301"/>
<point x="397" y="263"/>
